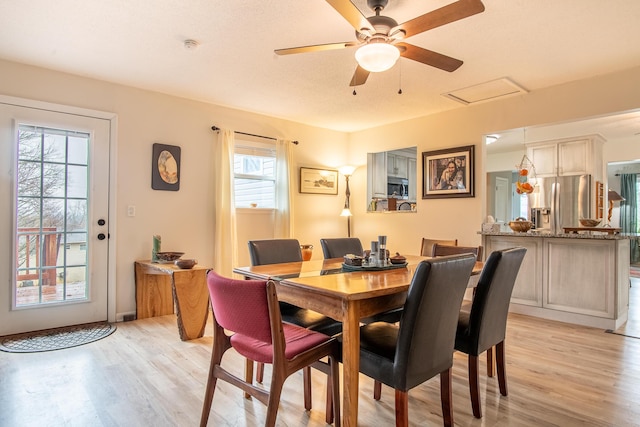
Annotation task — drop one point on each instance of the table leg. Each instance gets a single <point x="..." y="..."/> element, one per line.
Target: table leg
<point x="192" y="302"/>
<point x="350" y="362"/>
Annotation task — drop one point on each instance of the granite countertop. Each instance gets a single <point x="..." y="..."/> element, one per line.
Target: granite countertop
<point x="582" y="235"/>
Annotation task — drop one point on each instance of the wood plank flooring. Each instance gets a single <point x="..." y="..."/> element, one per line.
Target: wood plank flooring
<point x="143" y="375"/>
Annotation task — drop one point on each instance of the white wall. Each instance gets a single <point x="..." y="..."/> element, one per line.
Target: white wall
<point x="185" y="218"/>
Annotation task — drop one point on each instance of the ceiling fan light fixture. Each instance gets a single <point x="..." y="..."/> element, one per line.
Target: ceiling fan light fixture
<point x="377" y="56"/>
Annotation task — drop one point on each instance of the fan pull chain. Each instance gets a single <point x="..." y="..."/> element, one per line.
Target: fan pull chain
<point x="354" y="92"/>
<point x="400" y="78"/>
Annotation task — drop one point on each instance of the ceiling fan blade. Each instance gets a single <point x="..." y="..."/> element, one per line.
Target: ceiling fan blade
<point x="352" y="14"/>
<point x="436" y="18"/>
<point x="359" y="77"/>
<point x="428" y="57"/>
<point x="314" y="48"/>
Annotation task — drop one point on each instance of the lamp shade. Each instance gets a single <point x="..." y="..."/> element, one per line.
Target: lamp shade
<point x="377" y="56"/>
<point x="613" y="196"/>
<point x="347" y="170"/>
<point x="346" y="212"/>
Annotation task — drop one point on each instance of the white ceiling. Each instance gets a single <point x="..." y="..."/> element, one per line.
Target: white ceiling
<point x="140" y="43"/>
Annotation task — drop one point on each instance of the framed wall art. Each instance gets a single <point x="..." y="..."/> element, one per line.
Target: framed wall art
<point x="318" y="181"/>
<point x="165" y="167"/>
<point x="448" y="173"/>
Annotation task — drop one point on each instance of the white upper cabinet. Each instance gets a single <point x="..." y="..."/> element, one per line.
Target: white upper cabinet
<point x="570" y="156"/>
<point x="397" y="165"/>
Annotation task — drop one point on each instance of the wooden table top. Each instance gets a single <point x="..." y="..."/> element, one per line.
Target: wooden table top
<point x="327" y="276"/>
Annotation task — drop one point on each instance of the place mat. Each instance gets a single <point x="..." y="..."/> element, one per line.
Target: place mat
<point x="372" y="268"/>
<point x="56" y="339"/>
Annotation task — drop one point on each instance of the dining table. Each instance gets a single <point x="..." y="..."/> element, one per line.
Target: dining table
<point x="347" y="294"/>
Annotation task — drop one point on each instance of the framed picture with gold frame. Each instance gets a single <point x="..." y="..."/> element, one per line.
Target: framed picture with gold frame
<point x="318" y="181"/>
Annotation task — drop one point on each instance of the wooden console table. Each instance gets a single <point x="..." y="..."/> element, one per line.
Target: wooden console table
<point x="160" y="287"/>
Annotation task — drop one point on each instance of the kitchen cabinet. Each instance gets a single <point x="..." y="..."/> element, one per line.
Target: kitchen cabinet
<point x="377" y="175"/>
<point x="413" y="173"/>
<point x="582" y="279"/>
<point x="569" y="156"/>
<point x="397" y="165"/>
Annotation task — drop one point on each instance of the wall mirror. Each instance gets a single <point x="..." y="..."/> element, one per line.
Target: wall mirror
<point x="392" y="178"/>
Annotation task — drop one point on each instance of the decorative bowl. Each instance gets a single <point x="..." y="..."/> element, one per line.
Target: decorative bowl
<point x="520" y="225"/>
<point x="169" y="256"/>
<point x="351" y="259"/>
<point x="589" y="222"/>
<point x="185" y="263"/>
<point x="397" y="259"/>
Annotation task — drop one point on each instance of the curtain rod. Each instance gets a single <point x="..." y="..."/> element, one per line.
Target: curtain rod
<point x="216" y="128"/>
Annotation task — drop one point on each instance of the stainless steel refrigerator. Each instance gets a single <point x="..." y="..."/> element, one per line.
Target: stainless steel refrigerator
<point x="559" y="202"/>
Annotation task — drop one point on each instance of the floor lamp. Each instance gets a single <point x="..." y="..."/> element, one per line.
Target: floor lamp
<point x="347" y="171"/>
<point x="613" y="196"/>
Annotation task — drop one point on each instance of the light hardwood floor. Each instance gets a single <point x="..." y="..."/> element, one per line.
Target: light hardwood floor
<point x="143" y="375"/>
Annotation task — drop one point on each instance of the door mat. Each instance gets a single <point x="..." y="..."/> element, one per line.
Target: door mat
<point x="56" y="339"/>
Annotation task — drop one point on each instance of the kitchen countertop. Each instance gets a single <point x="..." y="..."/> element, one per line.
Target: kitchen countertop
<point x="582" y="235"/>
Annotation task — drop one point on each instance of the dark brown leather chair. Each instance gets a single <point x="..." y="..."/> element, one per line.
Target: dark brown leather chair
<point x="248" y="309"/>
<point x="406" y="355"/>
<point x="339" y="247"/>
<point x="444" y="250"/>
<point x="426" y="249"/>
<point x="275" y="251"/>
<point x="484" y="325"/>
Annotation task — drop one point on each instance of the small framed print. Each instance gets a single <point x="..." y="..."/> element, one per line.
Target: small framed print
<point x="448" y="173"/>
<point x="165" y="167"/>
<point x="318" y="181"/>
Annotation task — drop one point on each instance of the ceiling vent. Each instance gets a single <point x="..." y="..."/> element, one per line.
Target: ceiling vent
<point x="484" y="92"/>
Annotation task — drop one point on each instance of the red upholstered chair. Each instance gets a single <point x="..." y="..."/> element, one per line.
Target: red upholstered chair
<point x="249" y="310"/>
<point x="274" y="251"/>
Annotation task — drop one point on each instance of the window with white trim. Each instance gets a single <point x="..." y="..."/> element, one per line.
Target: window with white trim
<point x="254" y="169"/>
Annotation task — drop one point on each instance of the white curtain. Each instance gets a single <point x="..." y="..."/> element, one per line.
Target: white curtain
<point x="283" y="221"/>
<point x="225" y="238"/>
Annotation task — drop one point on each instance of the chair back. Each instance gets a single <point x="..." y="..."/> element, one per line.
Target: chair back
<point x="274" y="251"/>
<point x="445" y="250"/>
<point x="337" y="248"/>
<point x="427" y="245"/>
<point x="427" y="331"/>
<point x="490" y="307"/>
<point x="252" y="319"/>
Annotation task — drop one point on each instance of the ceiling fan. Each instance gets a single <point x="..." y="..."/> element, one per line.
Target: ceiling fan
<point x="380" y="37"/>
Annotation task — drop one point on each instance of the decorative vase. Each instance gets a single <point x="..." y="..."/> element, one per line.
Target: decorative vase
<point x="307" y="252"/>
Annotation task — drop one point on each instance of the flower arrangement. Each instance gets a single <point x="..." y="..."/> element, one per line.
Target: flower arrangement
<point x="526" y="176"/>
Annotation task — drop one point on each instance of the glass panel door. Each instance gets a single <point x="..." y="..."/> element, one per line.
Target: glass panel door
<point x="51" y="232"/>
<point x="55" y="188"/>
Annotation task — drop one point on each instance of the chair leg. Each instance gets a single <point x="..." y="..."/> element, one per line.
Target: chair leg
<point x="328" y="407"/>
<point x="274" y="400"/>
<point x="377" y="390"/>
<point x="306" y="385"/>
<point x="474" y="386"/>
<point x="248" y="374"/>
<point x="490" y="362"/>
<point x="260" y="373"/>
<point x="446" y="396"/>
<point x="502" y="372"/>
<point x="219" y="347"/>
<point x="334" y="377"/>
<point x="402" y="408"/>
